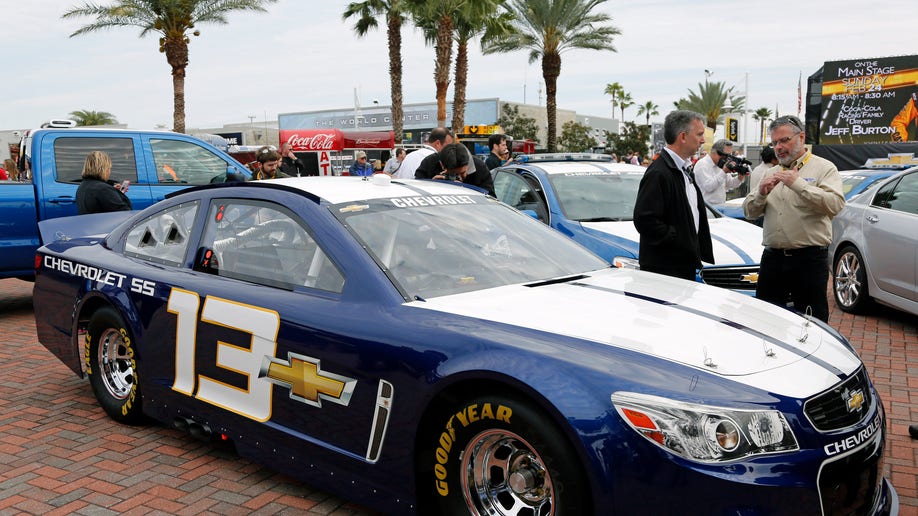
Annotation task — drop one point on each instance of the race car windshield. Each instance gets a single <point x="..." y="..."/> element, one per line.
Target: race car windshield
<point x="595" y="197"/>
<point x="441" y="249"/>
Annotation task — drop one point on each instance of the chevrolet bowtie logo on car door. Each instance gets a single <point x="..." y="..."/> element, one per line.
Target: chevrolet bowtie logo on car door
<point x="306" y="380"/>
<point x="853" y="399"/>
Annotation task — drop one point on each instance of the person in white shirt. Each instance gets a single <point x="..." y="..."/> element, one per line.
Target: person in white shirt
<point x="438" y="138"/>
<point x="395" y="162"/>
<point x="715" y="181"/>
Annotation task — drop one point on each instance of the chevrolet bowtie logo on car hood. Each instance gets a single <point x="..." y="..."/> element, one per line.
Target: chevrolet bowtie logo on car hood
<point x="752" y="277"/>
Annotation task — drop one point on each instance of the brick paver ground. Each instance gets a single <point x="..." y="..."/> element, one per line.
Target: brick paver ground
<point x="60" y="454"/>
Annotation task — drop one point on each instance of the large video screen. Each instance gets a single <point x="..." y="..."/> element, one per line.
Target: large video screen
<point x="869" y="101"/>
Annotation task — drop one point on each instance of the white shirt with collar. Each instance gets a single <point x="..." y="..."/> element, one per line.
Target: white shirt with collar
<point x="690" y="194"/>
<point x="713" y="181"/>
<point x="412" y="161"/>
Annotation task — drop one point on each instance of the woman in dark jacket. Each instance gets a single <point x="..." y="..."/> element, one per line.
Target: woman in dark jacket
<point x="97" y="194"/>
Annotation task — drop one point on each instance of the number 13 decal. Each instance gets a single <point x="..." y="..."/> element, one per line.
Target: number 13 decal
<point x="254" y="401"/>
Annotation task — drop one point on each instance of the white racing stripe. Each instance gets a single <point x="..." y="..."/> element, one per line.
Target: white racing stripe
<point x="705" y="327"/>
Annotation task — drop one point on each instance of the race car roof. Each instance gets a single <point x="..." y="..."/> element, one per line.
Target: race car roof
<point x="379" y="186"/>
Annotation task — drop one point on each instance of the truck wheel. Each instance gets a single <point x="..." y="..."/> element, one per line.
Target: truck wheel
<point x="112" y="368"/>
<point x="499" y="456"/>
<point x="850" y="281"/>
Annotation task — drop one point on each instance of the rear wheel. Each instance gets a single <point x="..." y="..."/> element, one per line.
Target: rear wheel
<point x="500" y="456"/>
<point x="850" y="281"/>
<point x="111" y="366"/>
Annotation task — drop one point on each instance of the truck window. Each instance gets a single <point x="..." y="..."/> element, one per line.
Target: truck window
<point x="186" y="163"/>
<point x="70" y="154"/>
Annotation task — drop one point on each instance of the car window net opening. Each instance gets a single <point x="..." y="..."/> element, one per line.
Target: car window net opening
<point x="266" y="244"/>
<point x="439" y="250"/>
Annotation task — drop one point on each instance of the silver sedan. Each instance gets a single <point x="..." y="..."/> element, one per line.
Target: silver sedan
<point x="874" y="249"/>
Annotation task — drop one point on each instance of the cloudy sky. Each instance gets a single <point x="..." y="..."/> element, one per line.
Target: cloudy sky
<point x="301" y="56"/>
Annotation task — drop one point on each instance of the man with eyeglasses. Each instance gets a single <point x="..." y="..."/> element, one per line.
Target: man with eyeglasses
<point x="798" y="199"/>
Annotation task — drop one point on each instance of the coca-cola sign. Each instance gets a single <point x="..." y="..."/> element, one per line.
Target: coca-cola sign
<point x="312" y="142"/>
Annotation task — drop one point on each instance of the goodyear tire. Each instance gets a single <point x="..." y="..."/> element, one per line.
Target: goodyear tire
<point x="498" y="455"/>
<point x="850" y="281"/>
<point x="112" y="368"/>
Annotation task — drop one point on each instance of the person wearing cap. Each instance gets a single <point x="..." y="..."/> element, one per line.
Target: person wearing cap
<point x="360" y="166"/>
<point x="270" y="164"/>
<point x="798" y="199"/>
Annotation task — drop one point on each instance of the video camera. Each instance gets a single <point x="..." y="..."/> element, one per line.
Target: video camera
<point x="735" y="164"/>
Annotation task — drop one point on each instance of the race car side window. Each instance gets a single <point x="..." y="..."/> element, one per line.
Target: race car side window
<point x="162" y="238"/>
<point x="264" y="243"/>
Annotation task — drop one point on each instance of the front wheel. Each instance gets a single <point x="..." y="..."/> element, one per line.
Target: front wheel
<point x="500" y="456"/>
<point x="112" y="367"/>
<point x="850" y="281"/>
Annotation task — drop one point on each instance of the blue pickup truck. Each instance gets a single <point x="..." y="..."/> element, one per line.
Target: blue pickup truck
<point x="155" y="162"/>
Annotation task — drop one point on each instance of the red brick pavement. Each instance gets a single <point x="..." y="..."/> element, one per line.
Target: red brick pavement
<point x="60" y="454"/>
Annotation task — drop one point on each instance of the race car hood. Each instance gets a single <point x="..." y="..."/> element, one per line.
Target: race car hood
<point x="711" y="329"/>
<point x="735" y="241"/>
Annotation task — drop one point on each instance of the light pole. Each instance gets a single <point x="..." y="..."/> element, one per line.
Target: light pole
<point x="252" y="125"/>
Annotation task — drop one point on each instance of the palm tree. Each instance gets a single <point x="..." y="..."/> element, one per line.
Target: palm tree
<point x="547" y="28"/>
<point x="710" y="100"/>
<point x="762" y="115"/>
<point x="438" y="18"/>
<point x="624" y="101"/>
<point x="648" y="109"/>
<point x="394" y="12"/>
<point x="474" y="18"/>
<point x="175" y="20"/>
<point x="85" y="117"/>
<point x="612" y="90"/>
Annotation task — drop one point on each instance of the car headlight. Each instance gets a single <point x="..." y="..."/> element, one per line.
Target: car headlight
<point x="624" y="262"/>
<point x="704" y="433"/>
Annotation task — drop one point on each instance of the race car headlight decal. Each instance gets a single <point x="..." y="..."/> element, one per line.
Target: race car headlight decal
<point x="705" y="433"/>
<point x="624" y="262"/>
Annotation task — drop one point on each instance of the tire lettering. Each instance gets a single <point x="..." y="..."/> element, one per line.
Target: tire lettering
<point x="86" y="353"/>
<point x="469" y="414"/>
<point x="442" y="488"/>
<point x="504" y="413"/>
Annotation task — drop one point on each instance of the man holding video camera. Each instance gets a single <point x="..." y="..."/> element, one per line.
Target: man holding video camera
<point x="719" y="172"/>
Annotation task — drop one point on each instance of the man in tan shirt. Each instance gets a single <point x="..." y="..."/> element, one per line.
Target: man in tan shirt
<point x="798" y="199"/>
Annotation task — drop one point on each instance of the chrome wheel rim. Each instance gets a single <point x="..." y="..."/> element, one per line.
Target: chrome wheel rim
<point x="504" y="475"/>
<point x="116" y="362"/>
<point x="847" y="285"/>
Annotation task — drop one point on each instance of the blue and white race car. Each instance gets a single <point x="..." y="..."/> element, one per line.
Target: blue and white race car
<point x="420" y="348"/>
<point x="590" y="198"/>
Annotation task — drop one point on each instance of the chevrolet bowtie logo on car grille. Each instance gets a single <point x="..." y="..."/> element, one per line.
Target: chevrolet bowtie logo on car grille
<point x="853" y="399"/>
<point x="752" y="277"/>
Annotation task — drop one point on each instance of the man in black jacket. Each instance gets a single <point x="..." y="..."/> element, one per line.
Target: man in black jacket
<point x="498" y="145"/>
<point x="454" y="162"/>
<point x="669" y="212"/>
